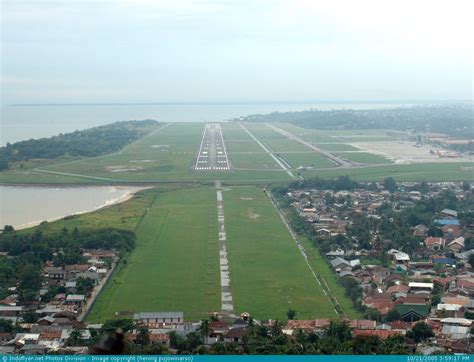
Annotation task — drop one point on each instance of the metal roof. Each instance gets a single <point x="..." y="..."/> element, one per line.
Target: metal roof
<point x="158" y="315"/>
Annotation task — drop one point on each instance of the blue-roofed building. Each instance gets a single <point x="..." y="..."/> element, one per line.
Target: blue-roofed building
<point x="447" y="221"/>
<point x="444" y="261"/>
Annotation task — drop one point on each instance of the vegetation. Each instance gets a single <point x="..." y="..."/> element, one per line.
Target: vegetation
<point x="439" y="118"/>
<point x="268" y="273"/>
<point x="394" y="223"/>
<point x="174" y="265"/>
<point x="27" y="253"/>
<point x="87" y="143"/>
<point x="337" y="338"/>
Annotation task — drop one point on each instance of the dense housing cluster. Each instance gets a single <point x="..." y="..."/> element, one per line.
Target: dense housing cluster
<point x="404" y="253"/>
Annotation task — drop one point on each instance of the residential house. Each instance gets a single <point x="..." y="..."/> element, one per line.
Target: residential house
<point x="235" y="335"/>
<point x="412" y="312"/>
<point x="434" y="243"/>
<point x="339" y="264"/>
<point x="457" y="244"/>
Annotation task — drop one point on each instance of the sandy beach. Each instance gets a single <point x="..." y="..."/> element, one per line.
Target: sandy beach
<point x="126" y="193"/>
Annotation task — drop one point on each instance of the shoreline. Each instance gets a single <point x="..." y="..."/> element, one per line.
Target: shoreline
<point x="129" y="194"/>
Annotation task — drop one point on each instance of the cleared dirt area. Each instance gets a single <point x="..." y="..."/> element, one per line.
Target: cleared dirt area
<point x="405" y="152"/>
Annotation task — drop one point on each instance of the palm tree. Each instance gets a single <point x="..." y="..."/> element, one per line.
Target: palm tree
<point x="204" y="329"/>
<point x="74" y="338"/>
<point x="143" y="336"/>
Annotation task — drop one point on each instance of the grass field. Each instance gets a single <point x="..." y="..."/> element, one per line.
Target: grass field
<point x="307" y="160"/>
<point x="254" y="161"/>
<point x="263" y="132"/>
<point x="322" y="269"/>
<point x="243" y="146"/>
<point x="125" y="215"/>
<point x="286" y="145"/>
<point x="233" y="132"/>
<point x="167" y="156"/>
<point x="435" y="172"/>
<point x="174" y="266"/>
<point x="336" y="147"/>
<point x="364" y="157"/>
<point x="268" y="273"/>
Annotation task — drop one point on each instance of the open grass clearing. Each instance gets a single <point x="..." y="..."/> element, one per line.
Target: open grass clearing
<point x="233" y="132"/>
<point x="254" y="161"/>
<point x="174" y="266"/>
<point x="435" y="172"/>
<point x="322" y="268"/>
<point x="314" y="159"/>
<point x="286" y="145"/>
<point x="263" y="132"/>
<point x="243" y="146"/>
<point x="125" y="215"/>
<point x="364" y="157"/>
<point x="336" y="147"/>
<point x="268" y="273"/>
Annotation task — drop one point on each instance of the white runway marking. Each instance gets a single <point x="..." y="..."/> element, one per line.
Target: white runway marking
<point x="212" y="154"/>
<point x="227" y="305"/>
<point x="265" y="148"/>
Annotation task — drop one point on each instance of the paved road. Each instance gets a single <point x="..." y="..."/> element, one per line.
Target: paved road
<point x="212" y="154"/>
<point x="338" y="160"/>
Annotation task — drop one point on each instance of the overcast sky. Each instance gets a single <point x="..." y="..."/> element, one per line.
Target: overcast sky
<point x="236" y="50"/>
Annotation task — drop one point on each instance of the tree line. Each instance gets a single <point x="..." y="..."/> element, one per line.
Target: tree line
<point x="439" y="119"/>
<point x="86" y="143"/>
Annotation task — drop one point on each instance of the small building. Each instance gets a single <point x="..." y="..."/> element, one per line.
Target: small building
<point x="159" y="317"/>
<point x="76" y="299"/>
<point x="457" y="244"/>
<point x="449" y="213"/>
<point x="412" y="312"/>
<point x="335" y="253"/>
<point x="235" y="335"/>
<point x="400" y="257"/>
<point x="339" y="264"/>
<point x="452" y="310"/>
<point x="434" y="243"/>
<point x="416" y="287"/>
<point x="443" y="222"/>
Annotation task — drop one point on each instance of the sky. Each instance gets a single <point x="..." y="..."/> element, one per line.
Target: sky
<point x="235" y="51"/>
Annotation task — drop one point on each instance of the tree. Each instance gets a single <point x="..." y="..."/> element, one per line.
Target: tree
<point x="143" y="336"/>
<point x="6" y="326"/>
<point x="372" y="314"/>
<point x="420" y="332"/>
<point x="366" y="345"/>
<point x="8" y="229"/>
<point x="291" y="314"/>
<point x="471" y="261"/>
<point x="156" y="349"/>
<point x="393" y="315"/>
<point x="339" y="330"/>
<point x="112" y="325"/>
<point x="466" y="186"/>
<point x="389" y="184"/>
<point x="30" y="317"/>
<point x="394" y="345"/>
<point x="85" y="285"/>
<point x="74" y="338"/>
<point x="204" y="329"/>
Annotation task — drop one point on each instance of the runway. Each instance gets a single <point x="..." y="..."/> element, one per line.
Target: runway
<point x="212" y="154"/>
